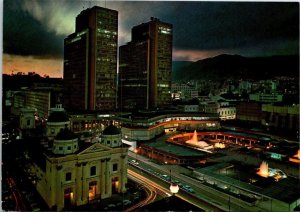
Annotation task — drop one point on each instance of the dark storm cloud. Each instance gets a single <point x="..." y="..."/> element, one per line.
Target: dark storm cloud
<point x="24" y="35"/>
<point x="39" y="27"/>
<point x="228" y="25"/>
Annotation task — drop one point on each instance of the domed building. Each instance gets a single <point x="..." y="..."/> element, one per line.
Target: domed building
<point x="57" y="121"/>
<point x="111" y="136"/>
<point x="65" y="142"/>
<point x="75" y="172"/>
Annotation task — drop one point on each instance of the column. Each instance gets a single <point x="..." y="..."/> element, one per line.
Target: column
<point x="78" y="183"/>
<point x="108" y="178"/>
<point x="102" y="178"/>
<point x="123" y="175"/>
<point x="84" y="185"/>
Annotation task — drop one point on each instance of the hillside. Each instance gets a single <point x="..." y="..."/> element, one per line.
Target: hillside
<point x="239" y="67"/>
<point x="178" y="65"/>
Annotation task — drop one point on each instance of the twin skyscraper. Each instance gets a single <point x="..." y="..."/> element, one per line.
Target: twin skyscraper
<point x="91" y="80"/>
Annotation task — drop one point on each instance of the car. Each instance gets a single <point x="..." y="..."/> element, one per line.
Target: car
<point x="176" y="182"/>
<point x="126" y="202"/>
<point x="111" y="206"/>
<point x="135" y="162"/>
<point x="188" y="188"/>
<point x="166" y="177"/>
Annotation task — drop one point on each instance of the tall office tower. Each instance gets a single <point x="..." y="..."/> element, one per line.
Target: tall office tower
<point x="90" y="61"/>
<point x="145" y="66"/>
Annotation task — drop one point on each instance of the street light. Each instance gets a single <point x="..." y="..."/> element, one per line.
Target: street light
<point x="174" y="188"/>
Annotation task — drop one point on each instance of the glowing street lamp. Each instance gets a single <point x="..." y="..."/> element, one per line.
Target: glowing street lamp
<point x="174" y="188"/>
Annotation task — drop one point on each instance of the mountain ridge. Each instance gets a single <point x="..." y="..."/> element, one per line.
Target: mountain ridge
<point x="239" y="67"/>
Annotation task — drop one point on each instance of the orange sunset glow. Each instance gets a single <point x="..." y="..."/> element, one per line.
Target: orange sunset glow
<point x="193" y="55"/>
<point x="12" y="64"/>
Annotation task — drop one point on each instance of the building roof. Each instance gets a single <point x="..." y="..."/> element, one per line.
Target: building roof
<point x="111" y="130"/>
<point x="156" y="114"/>
<point x="285" y="190"/>
<point x="65" y="134"/>
<point x="58" y="116"/>
<point x="174" y="149"/>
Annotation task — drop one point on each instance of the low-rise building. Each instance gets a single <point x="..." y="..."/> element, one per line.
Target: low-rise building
<point x="280" y="116"/>
<point x="189" y="108"/>
<point x="144" y="126"/>
<point x="41" y="97"/>
<point x="227" y="113"/>
<point x="225" y="110"/>
<point x="185" y="91"/>
<point x="249" y="111"/>
<point x="93" y="121"/>
<point x="266" y="97"/>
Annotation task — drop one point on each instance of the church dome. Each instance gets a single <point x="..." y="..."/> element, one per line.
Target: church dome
<point x="111" y="130"/>
<point x="65" y="142"/>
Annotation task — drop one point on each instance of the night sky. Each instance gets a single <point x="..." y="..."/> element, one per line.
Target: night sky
<point x="33" y="30"/>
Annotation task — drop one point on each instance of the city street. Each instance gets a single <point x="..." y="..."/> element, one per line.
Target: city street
<point x="203" y="196"/>
<point x="153" y="191"/>
<point x="153" y="172"/>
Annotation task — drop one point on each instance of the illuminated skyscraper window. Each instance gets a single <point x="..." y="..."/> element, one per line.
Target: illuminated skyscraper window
<point x="91" y="55"/>
<point x="145" y="67"/>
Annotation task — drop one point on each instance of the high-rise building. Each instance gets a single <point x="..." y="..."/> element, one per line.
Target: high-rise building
<point x="145" y="66"/>
<point x="90" y="61"/>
